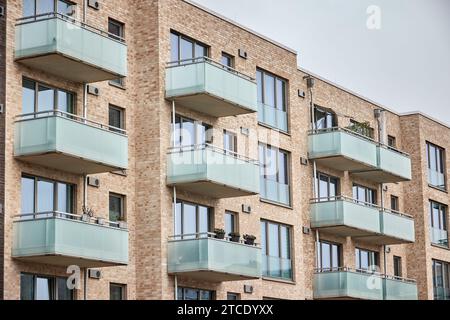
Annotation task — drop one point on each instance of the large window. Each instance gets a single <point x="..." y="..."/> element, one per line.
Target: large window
<point x="441" y="280"/>
<point x="366" y="260"/>
<point x="398" y="272"/>
<point x="329" y="256"/>
<point x="184" y="48"/>
<point x="189" y="132"/>
<point x="116" y="31"/>
<point x="364" y="195"/>
<point x="276" y="250"/>
<point x="230" y="142"/>
<point x="45" y="196"/>
<point x="192" y="219"/>
<point x="194" y="294"/>
<point x="37" y="97"/>
<point x="436" y="166"/>
<point x="231" y="222"/>
<point x="326" y="187"/>
<point x="438" y="223"/>
<point x="38" y="7"/>
<point x="324" y="119"/>
<point x="274" y="172"/>
<point x="116" y="118"/>
<point x="35" y="287"/>
<point x="227" y="60"/>
<point x="272" y="100"/>
<point x="117" y="291"/>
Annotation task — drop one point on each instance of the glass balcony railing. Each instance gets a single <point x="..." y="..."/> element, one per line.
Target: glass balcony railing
<point x="441" y="293"/>
<point x="437" y="179"/>
<point x="272" y="117"/>
<point x="65" y="239"/>
<point x="203" y="257"/>
<point x="209" y="87"/>
<point x="345" y="150"/>
<point x="65" y="142"/>
<point x="276" y="267"/>
<point x="346" y="217"/>
<point x="69" y="49"/>
<point x="345" y="283"/>
<point x="275" y="192"/>
<point x="210" y="171"/>
<point x="439" y="237"/>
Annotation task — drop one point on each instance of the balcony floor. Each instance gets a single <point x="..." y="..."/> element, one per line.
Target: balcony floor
<point x="369" y="237"/>
<point x="68" y="163"/>
<point x="213" y="190"/>
<point x="211" y="105"/>
<point x="380" y="176"/>
<point x="68" y="68"/>
<point x="342" y="163"/>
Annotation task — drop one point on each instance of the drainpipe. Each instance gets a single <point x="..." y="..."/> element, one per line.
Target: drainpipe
<point x="85" y="271"/>
<point x="174" y="195"/>
<point x="176" y="288"/>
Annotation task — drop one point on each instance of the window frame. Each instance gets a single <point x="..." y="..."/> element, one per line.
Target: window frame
<point x="123" y="291"/>
<point x="122" y="113"/>
<point x="358" y="259"/>
<point x="194" y="43"/>
<point x="233" y="137"/>
<point x="340" y="255"/>
<point x="392" y="141"/>
<point x="54" y="284"/>
<point x="230" y="57"/>
<point x="398" y="266"/>
<point x="184" y="236"/>
<point x="326" y="112"/>
<point x="55" y="8"/>
<point x="440" y="164"/>
<point x="209" y="131"/>
<point x="199" y="292"/>
<point x="367" y="191"/>
<point x="329" y="178"/>
<point x="235" y="219"/>
<point x="123" y="211"/>
<point x="395" y="203"/>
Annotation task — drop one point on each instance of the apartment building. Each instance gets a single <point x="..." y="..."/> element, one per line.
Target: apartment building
<point x="157" y="150"/>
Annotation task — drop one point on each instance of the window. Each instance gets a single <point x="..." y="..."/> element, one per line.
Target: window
<point x="38" y="97"/>
<point x="392" y="142"/>
<point x="195" y="294"/>
<point x="276" y="250"/>
<point x="324" y="119"/>
<point x="116" y="31"/>
<point x="330" y="256"/>
<point x="34" y="287"/>
<point x="395" y="205"/>
<point x="229" y="142"/>
<point x="116" y="207"/>
<point x="398" y="267"/>
<point x="366" y="260"/>
<point x="441" y="280"/>
<point x="192" y="219"/>
<point x="227" y="60"/>
<point x="438" y="223"/>
<point x="117" y="291"/>
<point x="272" y="98"/>
<point x="233" y="296"/>
<point x="184" y="48"/>
<point x="326" y="187"/>
<point x="38" y="7"/>
<point x="116" y="118"/>
<point x="364" y="195"/>
<point x="436" y="166"/>
<point x="362" y="128"/>
<point x="44" y="196"/>
<point x="190" y="133"/>
<point x="231" y="222"/>
<point x="274" y="171"/>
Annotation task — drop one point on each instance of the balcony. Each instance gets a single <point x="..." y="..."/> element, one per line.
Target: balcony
<point x="65" y="142"/>
<point x="272" y="117"/>
<point x="345" y="150"/>
<point x="439" y="237"/>
<point x="210" y="88"/>
<point x="69" y="49"/>
<point x="277" y="268"/>
<point x="275" y="192"/>
<point x="346" y="217"/>
<point x="345" y="283"/>
<point x="205" y="258"/>
<point x="64" y="239"/>
<point x="213" y="172"/>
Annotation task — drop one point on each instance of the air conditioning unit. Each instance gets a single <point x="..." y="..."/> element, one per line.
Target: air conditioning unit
<point x="94" y="4"/>
<point x="306" y="230"/>
<point x="94" y="182"/>
<point x="245" y="131"/>
<point x="243" y="54"/>
<point x="95" y="274"/>
<point x="248" y="289"/>
<point x="301" y="94"/>
<point x="304" y="161"/>
<point x="2" y="11"/>
<point x="93" y="90"/>
<point x="246" y="209"/>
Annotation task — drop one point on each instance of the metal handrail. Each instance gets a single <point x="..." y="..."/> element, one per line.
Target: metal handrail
<point x="57" y="15"/>
<point x="208" y="146"/>
<point x="69" y="116"/>
<point x="70" y="216"/>
<point x="367" y="204"/>
<point x="205" y="235"/>
<point x="364" y="271"/>
<point x="349" y="131"/>
<point x="186" y="62"/>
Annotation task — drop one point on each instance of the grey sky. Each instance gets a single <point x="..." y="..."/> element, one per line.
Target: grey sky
<point x="404" y="66"/>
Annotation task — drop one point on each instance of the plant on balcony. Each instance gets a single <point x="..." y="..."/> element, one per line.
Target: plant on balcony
<point x="220" y="234"/>
<point x="88" y="213"/>
<point x="249" y="239"/>
<point x="235" y="237"/>
<point x="363" y="128"/>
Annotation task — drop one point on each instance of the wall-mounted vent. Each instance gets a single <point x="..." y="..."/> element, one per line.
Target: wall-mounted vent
<point x="301" y="94"/>
<point x="243" y="54"/>
<point x="304" y="161"/>
<point x="95" y="274"/>
<point x="94" y="4"/>
<point x="245" y="131"/>
<point x="248" y="289"/>
<point x="306" y="230"/>
<point x="94" y="182"/>
<point x="93" y="90"/>
<point x="246" y="209"/>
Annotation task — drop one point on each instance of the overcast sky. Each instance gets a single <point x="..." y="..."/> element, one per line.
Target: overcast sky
<point x="404" y="66"/>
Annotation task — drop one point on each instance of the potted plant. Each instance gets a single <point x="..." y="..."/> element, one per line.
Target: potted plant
<point x="235" y="237"/>
<point x="249" y="239"/>
<point x="88" y="214"/>
<point x="220" y="234"/>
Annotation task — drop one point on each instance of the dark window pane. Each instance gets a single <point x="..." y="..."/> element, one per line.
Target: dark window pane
<point x="26" y="287"/>
<point x="117" y="292"/>
<point x="28" y="96"/>
<point x="64" y="293"/>
<point x="281" y="95"/>
<point x="116" y="118"/>
<point x="115" y="208"/>
<point x="259" y="81"/>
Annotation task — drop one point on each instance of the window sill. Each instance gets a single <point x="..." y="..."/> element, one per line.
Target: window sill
<point x="292" y="282"/>
<point x="286" y="133"/>
<point x="278" y="204"/>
